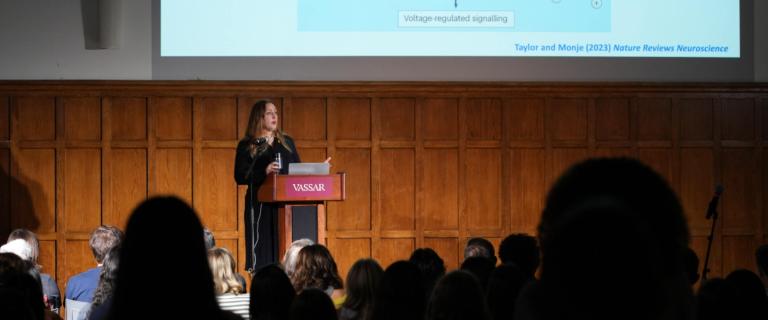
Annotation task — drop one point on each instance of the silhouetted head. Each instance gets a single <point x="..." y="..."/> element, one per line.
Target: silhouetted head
<point x="271" y="294"/>
<point x="612" y="236"/>
<point x="363" y="281"/>
<point x="522" y="250"/>
<point x="504" y="286"/>
<point x="480" y="267"/>
<point x="751" y="300"/>
<point x="315" y="268"/>
<point x="480" y="247"/>
<point x="431" y="267"/>
<point x="457" y="296"/>
<point x="401" y="295"/>
<point x="691" y="265"/>
<point x="761" y="256"/>
<point x="312" y="304"/>
<point x="716" y="300"/>
<point x="163" y="265"/>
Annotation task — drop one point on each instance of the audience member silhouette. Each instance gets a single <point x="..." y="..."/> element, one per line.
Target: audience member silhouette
<point x="315" y="268"/>
<point x="751" y="301"/>
<point x="761" y="256"/>
<point x="82" y="286"/>
<point x="480" y="247"/>
<point x="504" y="285"/>
<point x="312" y="304"/>
<point x="480" y="267"/>
<point x="292" y="253"/>
<point x="458" y="296"/>
<point x="431" y="267"/>
<point x="363" y="282"/>
<point x="21" y="293"/>
<point x="102" y="298"/>
<point x="716" y="300"/>
<point x="691" y="264"/>
<point x="50" y="288"/>
<point x="612" y="236"/>
<point x="174" y="283"/>
<point x="271" y="294"/>
<point x="230" y="293"/>
<point x="521" y="250"/>
<point x="400" y="296"/>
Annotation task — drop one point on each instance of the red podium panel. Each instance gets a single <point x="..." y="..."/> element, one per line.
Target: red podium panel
<point x="300" y="191"/>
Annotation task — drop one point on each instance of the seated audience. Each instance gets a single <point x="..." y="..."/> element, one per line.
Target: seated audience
<point x="761" y="256"/>
<point x="21" y="292"/>
<point x="479" y="247"/>
<point x="229" y="292"/>
<point x="102" y="298"/>
<point x="363" y="281"/>
<point x="312" y="304"/>
<point x="458" y="296"/>
<point x="612" y="235"/>
<point x="400" y="295"/>
<point x="480" y="267"/>
<point x="315" y="268"/>
<point x="163" y="272"/>
<point x="716" y="300"/>
<point x="691" y="264"/>
<point x="271" y="294"/>
<point x="210" y="243"/>
<point x="50" y="288"/>
<point x="82" y="286"/>
<point x="751" y="302"/>
<point x="289" y="258"/>
<point x="504" y="285"/>
<point x="431" y="267"/>
<point x="521" y="250"/>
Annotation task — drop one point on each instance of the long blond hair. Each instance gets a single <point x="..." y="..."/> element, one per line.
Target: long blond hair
<point x="223" y="268"/>
<point x="256" y="125"/>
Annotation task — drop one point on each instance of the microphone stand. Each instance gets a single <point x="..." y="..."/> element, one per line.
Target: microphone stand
<point x="711" y="213"/>
<point x="252" y="213"/>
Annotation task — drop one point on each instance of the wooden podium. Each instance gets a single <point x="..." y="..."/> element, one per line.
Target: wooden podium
<point x="299" y="196"/>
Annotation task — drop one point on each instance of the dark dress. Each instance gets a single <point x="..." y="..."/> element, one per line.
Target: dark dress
<point x="263" y="220"/>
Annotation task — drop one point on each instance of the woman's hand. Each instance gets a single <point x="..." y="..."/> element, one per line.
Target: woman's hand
<point x="272" y="168"/>
<point x="328" y="161"/>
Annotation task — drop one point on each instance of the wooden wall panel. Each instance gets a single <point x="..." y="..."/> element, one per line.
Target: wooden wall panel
<point x="129" y="184"/>
<point x="35" y="118"/>
<point x="397" y="189"/>
<point x="448" y="249"/>
<point x="351" y="118"/>
<point x="696" y="119"/>
<point x="528" y="188"/>
<point x="483" y="119"/>
<point x="612" y="119"/>
<point x="483" y="189"/>
<point x="219" y="118"/>
<point x="697" y="184"/>
<point x="439" y="189"/>
<point x="526" y="119"/>
<point x="440" y="119"/>
<point x="738" y="119"/>
<point x="654" y="119"/>
<point x="173" y="173"/>
<point x="305" y="118"/>
<point x="129" y="118"/>
<point x="5" y="118"/>
<point x="173" y="118"/>
<point x="347" y="251"/>
<point x="739" y="209"/>
<point x="33" y="202"/>
<point x="739" y="253"/>
<point x="355" y="212"/>
<point x="82" y="190"/>
<point x="216" y="198"/>
<point x="397" y="118"/>
<point x="5" y="192"/>
<point x="82" y="118"/>
<point x="568" y="119"/>
<point x="428" y="165"/>
<point x="47" y="258"/>
<point x="391" y="250"/>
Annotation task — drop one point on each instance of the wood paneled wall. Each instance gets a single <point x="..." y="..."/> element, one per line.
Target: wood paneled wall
<point x="428" y="164"/>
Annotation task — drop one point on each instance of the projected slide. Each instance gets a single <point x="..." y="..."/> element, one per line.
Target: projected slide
<point x="451" y="28"/>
